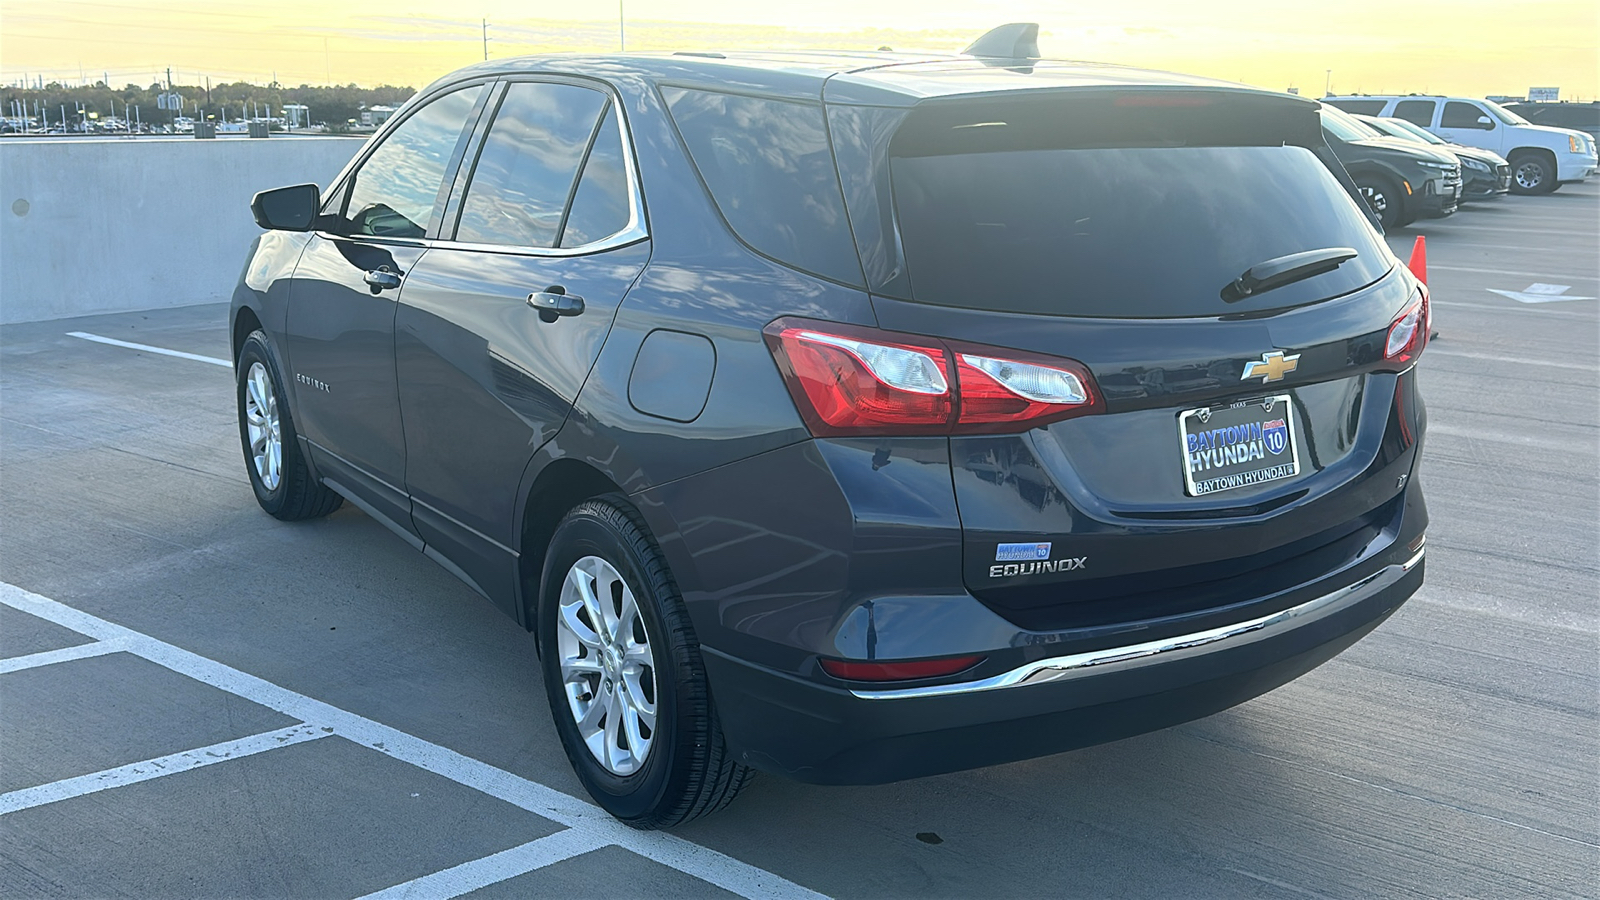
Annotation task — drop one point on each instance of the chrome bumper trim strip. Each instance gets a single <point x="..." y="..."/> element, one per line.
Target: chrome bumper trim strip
<point x="1094" y="662"/>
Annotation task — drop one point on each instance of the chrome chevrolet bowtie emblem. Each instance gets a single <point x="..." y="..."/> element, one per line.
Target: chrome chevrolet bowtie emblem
<point x="1271" y="367"/>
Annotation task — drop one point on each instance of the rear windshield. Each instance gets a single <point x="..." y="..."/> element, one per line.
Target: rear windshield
<point x="1121" y="231"/>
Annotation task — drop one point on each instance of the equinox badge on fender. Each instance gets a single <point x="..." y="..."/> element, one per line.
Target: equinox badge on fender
<point x="1270" y="367"/>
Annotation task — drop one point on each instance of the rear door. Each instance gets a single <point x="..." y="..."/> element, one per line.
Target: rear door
<point x="500" y="323"/>
<point x="1417" y="112"/>
<point x="340" y="331"/>
<point x="1113" y="233"/>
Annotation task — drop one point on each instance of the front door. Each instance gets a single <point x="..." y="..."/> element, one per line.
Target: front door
<point x="498" y="328"/>
<point x="340" y="329"/>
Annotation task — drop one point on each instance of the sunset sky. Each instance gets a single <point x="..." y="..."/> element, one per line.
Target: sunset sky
<point x="1471" y="47"/>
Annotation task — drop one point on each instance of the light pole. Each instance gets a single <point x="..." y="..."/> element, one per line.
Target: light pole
<point x="1327" y="86"/>
<point x="622" y="33"/>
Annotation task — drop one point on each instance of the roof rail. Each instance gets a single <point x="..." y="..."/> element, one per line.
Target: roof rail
<point x="1018" y="40"/>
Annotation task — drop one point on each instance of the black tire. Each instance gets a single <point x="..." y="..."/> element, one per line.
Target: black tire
<point x="296" y="495"/>
<point x="688" y="770"/>
<point x="1532" y="172"/>
<point x="1385" y="199"/>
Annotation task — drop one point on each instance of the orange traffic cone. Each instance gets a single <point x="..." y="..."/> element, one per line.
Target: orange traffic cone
<point x="1419" y="259"/>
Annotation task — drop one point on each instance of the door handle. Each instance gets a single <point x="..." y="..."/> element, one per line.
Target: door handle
<point x="554" y="302"/>
<point x="382" y="279"/>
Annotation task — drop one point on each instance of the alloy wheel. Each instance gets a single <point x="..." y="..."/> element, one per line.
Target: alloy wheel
<point x="263" y="427"/>
<point x="607" y="667"/>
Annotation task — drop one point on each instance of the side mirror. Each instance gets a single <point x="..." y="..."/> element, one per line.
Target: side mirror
<point x="1486" y="123"/>
<point x="287" y="208"/>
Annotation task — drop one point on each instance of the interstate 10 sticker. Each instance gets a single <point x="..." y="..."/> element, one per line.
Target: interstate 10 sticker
<point x="1022" y="552"/>
<point x="1239" y="445"/>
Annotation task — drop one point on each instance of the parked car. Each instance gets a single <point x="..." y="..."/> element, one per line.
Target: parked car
<point x="1584" y="117"/>
<point x="1542" y="159"/>
<point x="1099" y="415"/>
<point x="1401" y="180"/>
<point x="1484" y="175"/>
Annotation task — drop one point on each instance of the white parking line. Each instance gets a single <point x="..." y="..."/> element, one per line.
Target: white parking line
<point x="149" y="349"/>
<point x="1515" y="360"/>
<point x="65" y="654"/>
<point x="590" y="825"/>
<point x="133" y="773"/>
<point x="492" y="869"/>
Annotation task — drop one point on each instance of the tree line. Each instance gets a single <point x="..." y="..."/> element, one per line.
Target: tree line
<point x="333" y="106"/>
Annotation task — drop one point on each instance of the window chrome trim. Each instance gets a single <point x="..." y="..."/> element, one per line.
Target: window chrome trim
<point x="1134" y="656"/>
<point x="632" y="233"/>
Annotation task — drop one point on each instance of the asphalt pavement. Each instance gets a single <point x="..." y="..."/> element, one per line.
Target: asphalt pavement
<point x="199" y="701"/>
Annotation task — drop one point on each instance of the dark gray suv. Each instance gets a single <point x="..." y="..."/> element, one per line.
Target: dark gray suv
<point x="853" y="417"/>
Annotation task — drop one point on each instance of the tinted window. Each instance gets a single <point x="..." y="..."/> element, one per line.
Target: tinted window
<point x="1419" y="112"/>
<point x="770" y="171"/>
<point x="1462" y="115"/>
<point x="600" y="207"/>
<point x="394" y="191"/>
<point x="1345" y="128"/>
<point x="1142" y="232"/>
<point x="1362" y="107"/>
<point x="529" y="161"/>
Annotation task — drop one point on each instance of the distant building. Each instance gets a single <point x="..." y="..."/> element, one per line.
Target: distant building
<point x="297" y="115"/>
<point x="376" y="115"/>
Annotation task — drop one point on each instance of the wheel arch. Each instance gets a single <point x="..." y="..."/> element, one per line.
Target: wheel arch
<point x="559" y="486"/>
<point x="244" y="322"/>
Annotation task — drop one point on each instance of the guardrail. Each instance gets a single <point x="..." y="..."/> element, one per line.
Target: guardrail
<point x="95" y="225"/>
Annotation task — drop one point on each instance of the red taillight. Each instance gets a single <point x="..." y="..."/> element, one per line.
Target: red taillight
<point x="898" y="670"/>
<point x="1408" y="334"/>
<point x="852" y="380"/>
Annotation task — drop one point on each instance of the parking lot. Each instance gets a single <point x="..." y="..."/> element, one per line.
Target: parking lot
<point x="197" y="700"/>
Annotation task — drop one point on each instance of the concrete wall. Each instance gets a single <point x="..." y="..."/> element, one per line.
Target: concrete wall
<point x="108" y="225"/>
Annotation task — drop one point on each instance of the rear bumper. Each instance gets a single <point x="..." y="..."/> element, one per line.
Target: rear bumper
<point x="815" y="733"/>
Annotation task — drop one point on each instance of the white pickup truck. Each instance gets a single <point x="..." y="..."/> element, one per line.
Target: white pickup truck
<point x="1542" y="158"/>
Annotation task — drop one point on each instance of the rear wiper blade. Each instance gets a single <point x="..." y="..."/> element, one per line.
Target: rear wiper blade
<point x="1275" y="273"/>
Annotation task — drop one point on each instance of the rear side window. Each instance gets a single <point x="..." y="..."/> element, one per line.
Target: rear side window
<point x="1360" y="107"/>
<point x="1144" y="230"/>
<point x="768" y="166"/>
<point x="600" y="206"/>
<point x="528" y="165"/>
<point x="1463" y="115"/>
<point x="1417" y="112"/>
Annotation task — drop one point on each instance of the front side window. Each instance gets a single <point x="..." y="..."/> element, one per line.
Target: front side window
<point x="529" y="163"/>
<point x="1463" y="115"/>
<point x="394" y="192"/>
<point x="1417" y="112"/>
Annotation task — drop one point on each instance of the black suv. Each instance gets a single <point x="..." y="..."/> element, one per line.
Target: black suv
<point x="853" y="417"/>
<point x="1484" y="175"/>
<point x="1401" y="180"/>
<point x="1583" y="117"/>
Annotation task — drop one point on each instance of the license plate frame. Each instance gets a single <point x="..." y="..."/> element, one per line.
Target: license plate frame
<point x="1242" y="428"/>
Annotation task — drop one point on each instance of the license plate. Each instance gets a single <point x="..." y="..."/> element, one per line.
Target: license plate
<point x="1242" y="444"/>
